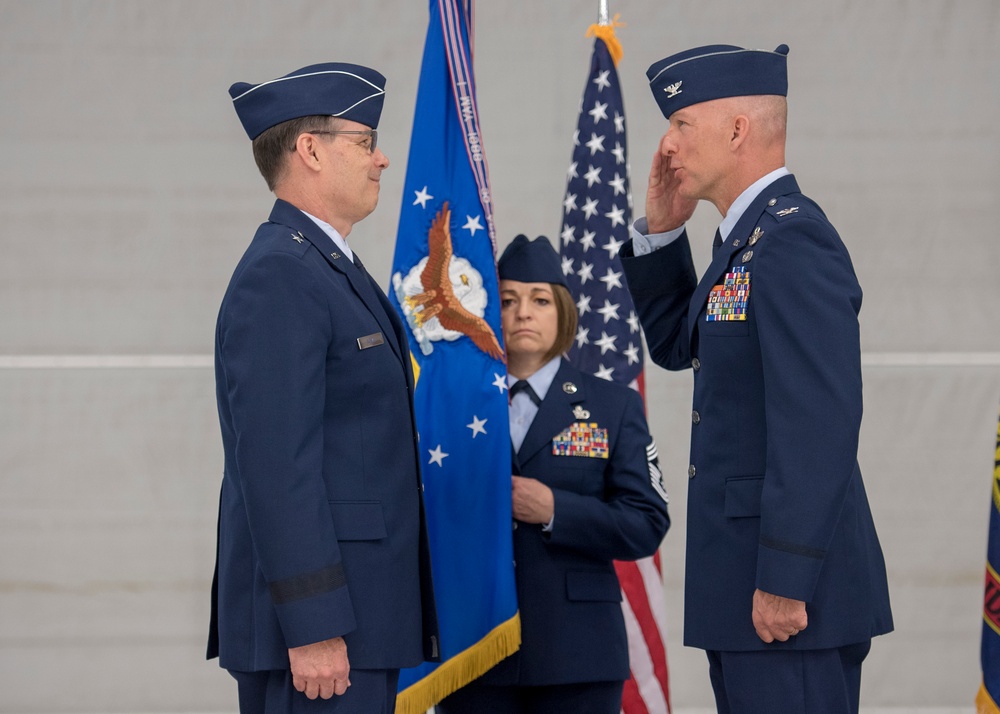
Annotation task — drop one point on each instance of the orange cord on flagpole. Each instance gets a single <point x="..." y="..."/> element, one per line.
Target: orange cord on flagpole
<point x="607" y="33"/>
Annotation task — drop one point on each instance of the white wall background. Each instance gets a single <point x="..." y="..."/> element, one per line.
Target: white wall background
<point x="128" y="192"/>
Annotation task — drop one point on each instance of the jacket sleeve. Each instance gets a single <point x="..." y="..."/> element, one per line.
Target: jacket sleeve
<point x="806" y="300"/>
<point x="661" y="284"/>
<point x="274" y="337"/>
<point x="631" y="520"/>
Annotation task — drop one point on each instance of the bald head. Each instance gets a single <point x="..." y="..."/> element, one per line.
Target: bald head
<point x="767" y="116"/>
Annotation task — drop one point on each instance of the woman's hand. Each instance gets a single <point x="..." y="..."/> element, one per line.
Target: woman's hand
<point x="532" y="500"/>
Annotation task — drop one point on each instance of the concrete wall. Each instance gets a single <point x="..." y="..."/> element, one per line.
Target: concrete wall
<point x="128" y="192"/>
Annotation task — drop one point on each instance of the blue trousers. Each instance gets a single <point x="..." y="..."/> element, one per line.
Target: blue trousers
<point x="372" y="691"/>
<point x="788" y="681"/>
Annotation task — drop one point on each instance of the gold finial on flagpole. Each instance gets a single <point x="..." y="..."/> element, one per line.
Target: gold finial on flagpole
<point x="604" y="28"/>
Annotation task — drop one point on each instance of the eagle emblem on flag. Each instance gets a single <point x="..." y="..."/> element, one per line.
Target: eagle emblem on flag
<point x="443" y="296"/>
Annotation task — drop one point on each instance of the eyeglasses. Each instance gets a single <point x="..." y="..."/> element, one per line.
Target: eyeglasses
<point x="371" y="133"/>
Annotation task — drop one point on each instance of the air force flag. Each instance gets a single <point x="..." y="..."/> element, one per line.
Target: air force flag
<point x="444" y="285"/>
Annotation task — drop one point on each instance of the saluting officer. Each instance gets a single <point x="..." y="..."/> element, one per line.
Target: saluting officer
<point x="785" y="583"/>
<point x="323" y="588"/>
<point x="586" y="491"/>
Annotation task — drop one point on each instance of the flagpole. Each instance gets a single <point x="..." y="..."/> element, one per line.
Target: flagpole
<point x="596" y="213"/>
<point x="603" y="17"/>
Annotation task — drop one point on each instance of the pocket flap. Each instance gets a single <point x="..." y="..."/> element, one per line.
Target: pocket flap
<point x="358" y="520"/>
<point x="743" y="496"/>
<point x="593" y="587"/>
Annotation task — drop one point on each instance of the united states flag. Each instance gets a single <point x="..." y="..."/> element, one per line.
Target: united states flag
<point x="597" y="212"/>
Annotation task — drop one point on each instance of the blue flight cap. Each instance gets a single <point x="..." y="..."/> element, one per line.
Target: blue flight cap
<point x="717" y="71"/>
<point x="337" y="89"/>
<point x="531" y="261"/>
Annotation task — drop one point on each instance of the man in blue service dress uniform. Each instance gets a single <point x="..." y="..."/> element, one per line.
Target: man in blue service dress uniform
<point x="323" y="588"/>
<point x="785" y="583"/>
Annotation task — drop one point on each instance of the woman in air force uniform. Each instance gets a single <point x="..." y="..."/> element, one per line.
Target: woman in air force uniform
<point x="586" y="490"/>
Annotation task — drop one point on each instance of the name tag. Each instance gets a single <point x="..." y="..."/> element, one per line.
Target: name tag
<point x="373" y="340"/>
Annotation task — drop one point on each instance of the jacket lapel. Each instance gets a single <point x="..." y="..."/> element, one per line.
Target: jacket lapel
<point x="364" y="287"/>
<point x="555" y="412"/>
<point x="398" y="331"/>
<point x="724" y="255"/>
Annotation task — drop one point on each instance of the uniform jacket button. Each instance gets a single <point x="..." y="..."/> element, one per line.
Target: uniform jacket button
<point x="696" y="364"/>
<point x="695" y="417"/>
<point x="692" y="471"/>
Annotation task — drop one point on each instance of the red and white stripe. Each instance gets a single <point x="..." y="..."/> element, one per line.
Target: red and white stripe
<point x="648" y="691"/>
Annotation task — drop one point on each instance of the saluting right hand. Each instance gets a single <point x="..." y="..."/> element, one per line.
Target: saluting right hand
<point x="666" y="209"/>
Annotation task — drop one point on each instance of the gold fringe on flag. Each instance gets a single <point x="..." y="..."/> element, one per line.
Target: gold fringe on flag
<point x="455" y="673"/>
<point x="985" y="703"/>
<point x="607" y="33"/>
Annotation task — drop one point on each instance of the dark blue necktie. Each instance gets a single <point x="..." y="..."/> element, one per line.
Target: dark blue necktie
<point x="522" y="385"/>
<point x="717" y="243"/>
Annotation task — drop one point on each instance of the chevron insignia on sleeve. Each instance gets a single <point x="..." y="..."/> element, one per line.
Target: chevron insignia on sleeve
<point x="655" y="475"/>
